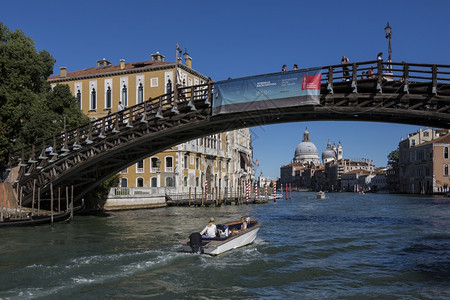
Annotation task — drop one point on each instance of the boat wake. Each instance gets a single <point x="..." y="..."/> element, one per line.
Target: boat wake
<point x="81" y="273"/>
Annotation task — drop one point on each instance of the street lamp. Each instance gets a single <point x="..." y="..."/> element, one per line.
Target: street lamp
<point x="64" y="122"/>
<point x="388" y="31"/>
<point x="178" y="60"/>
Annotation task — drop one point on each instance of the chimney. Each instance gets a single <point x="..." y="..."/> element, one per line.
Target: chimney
<point x="63" y="71"/>
<point x="122" y="64"/>
<point x="157" y="57"/>
<point x="189" y="62"/>
<point x="103" y="63"/>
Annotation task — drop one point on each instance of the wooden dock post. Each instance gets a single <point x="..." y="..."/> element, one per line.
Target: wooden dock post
<point x="59" y="199"/>
<point x="67" y="198"/>
<point x="20" y="200"/>
<point x="220" y="200"/>
<point x="3" y="200"/>
<point x="39" y="201"/>
<point x="203" y="199"/>
<point x="189" y="204"/>
<point x="71" y="216"/>
<point x="51" y="203"/>
<point x="215" y="192"/>
<point x="195" y="195"/>
<point x="34" y="195"/>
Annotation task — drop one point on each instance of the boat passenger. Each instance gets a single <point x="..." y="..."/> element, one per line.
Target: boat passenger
<point x="244" y="223"/>
<point x="210" y="229"/>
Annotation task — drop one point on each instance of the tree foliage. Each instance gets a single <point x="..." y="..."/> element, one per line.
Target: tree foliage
<point x="393" y="158"/>
<point x="29" y="109"/>
<point x="96" y="198"/>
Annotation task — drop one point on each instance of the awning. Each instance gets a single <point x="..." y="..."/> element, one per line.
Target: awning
<point x="245" y="158"/>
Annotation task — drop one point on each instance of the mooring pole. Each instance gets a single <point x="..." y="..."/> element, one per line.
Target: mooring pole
<point x="59" y="199"/>
<point x="67" y="198"/>
<point x="51" y="203"/>
<point x="39" y="201"/>
<point x="189" y="204"/>
<point x="34" y="195"/>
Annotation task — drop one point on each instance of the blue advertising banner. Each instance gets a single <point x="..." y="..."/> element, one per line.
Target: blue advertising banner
<point x="294" y="88"/>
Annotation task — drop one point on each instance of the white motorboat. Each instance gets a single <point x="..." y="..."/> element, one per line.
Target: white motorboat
<point x="222" y="243"/>
<point x="320" y="195"/>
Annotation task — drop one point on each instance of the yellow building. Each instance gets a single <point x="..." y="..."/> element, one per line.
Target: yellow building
<point x="223" y="160"/>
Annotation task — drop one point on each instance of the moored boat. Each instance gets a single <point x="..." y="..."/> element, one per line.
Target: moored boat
<point x="222" y="243"/>
<point x="31" y="220"/>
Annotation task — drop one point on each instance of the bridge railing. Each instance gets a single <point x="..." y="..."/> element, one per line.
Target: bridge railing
<point x="43" y="153"/>
<point x="380" y="71"/>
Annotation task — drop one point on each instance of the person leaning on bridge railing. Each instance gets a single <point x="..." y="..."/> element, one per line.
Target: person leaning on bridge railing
<point x="345" y="73"/>
<point x="120" y="108"/>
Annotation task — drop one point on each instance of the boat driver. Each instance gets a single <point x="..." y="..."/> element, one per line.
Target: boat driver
<point x="210" y="229"/>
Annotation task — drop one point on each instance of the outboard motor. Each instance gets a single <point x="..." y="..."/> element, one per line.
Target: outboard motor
<point x="195" y="241"/>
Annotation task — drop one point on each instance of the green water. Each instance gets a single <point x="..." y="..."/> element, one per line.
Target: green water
<point x="347" y="246"/>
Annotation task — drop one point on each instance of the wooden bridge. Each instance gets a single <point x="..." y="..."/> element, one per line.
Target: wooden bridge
<point x="83" y="157"/>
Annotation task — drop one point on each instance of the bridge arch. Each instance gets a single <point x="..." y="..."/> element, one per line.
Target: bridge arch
<point x="405" y="93"/>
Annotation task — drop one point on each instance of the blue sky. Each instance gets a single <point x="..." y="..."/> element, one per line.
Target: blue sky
<point x="242" y="38"/>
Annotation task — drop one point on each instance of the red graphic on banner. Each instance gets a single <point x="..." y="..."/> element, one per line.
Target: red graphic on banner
<point x="311" y="82"/>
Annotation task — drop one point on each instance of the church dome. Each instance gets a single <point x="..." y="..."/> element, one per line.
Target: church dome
<point x="306" y="152"/>
<point x="306" y="149"/>
<point x="328" y="154"/>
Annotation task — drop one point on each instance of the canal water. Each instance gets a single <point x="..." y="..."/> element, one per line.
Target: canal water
<point x="346" y="246"/>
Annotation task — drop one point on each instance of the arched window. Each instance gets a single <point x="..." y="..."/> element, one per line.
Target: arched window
<point x="185" y="161"/>
<point x="108" y="98"/>
<point x="123" y="182"/>
<point x="140" y="93"/>
<point x="170" y="182"/>
<point x="79" y="98"/>
<point x="445" y="152"/>
<point x="140" y="182"/>
<point x="154" y="182"/>
<point x="445" y="170"/>
<point x="169" y="86"/>
<point x="185" y="181"/>
<point x="93" y="99"/>
<point x="124" y="96"/>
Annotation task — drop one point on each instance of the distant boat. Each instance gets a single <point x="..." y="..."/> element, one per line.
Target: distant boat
<point x="261" y="199"/>
<point x="31" y="220"/>
<point x="320" y="195"/>
<point x="220" y="244"/>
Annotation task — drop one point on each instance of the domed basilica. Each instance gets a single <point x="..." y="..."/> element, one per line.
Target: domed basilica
<point x="307" y="153"/>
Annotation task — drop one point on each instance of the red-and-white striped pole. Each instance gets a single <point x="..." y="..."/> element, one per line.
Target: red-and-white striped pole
<point x="206" y="189"/>
<point x="247" y="189"/>
<point x="275" y="191"/>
